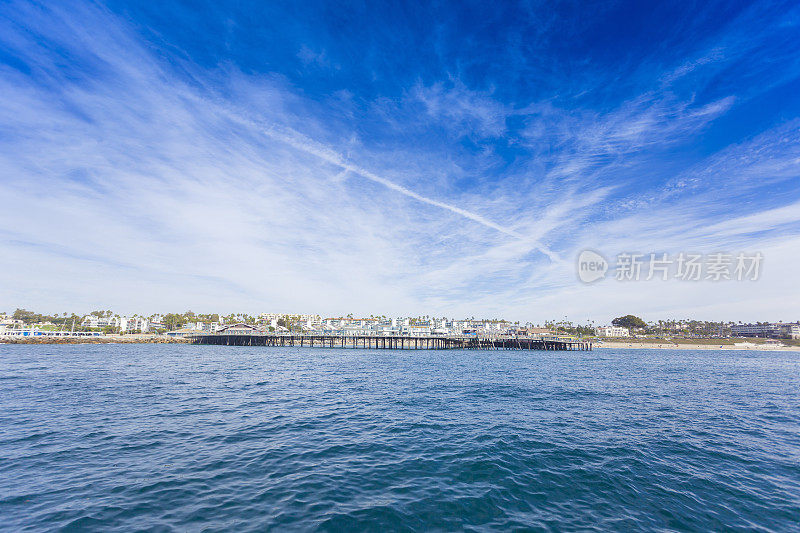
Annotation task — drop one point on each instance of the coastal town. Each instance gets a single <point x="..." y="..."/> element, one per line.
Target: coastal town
<point x="23" y="324"/>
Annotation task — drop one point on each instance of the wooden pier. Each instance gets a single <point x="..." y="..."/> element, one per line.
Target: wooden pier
<point x="393" y="342"/>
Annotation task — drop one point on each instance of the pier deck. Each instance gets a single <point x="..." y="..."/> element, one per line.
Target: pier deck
<point x="393" y="342"/>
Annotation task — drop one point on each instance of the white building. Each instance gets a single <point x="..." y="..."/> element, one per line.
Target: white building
<point x="92" y="321"/>
<point x="612" y="331"/>
<point x="791" y="331"/>
<point x="773" y="330"/>
<point x="124" y="323"/>
<point x="356" y="330"/>
<point x="755" y="330"/>
<point x="208" y="327"/>
<point x="11" y="323"/>
<point x="127" y="325"/>
<point x="155" y="323"/>
<point x="415" y="331"/>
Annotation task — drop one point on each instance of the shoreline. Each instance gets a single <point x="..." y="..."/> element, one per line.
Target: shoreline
<point x="162" y="339"/>
<point x="107" y="339"/>
<point x="685" y="346"/>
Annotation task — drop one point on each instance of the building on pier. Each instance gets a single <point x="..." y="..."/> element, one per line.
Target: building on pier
<point x="238" y="329"/>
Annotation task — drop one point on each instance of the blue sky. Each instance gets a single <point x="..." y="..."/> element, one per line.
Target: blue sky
<point x="450" y="159"/>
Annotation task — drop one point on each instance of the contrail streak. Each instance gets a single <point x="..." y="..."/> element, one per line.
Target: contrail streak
<point x="295" y="140"/>
<point x="309" y="146"/>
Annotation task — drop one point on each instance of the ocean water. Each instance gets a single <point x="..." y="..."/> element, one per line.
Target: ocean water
<point x="191" y="438"/>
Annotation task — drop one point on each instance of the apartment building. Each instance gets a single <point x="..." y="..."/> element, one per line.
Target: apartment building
<point x="775" y="330"/>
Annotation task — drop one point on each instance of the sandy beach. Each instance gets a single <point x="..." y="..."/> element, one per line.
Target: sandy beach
<point x="682" y="346"/>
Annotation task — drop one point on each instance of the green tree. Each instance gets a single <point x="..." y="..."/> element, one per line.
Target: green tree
<point x="629" y="321"/>
<point x="173" y="321"/>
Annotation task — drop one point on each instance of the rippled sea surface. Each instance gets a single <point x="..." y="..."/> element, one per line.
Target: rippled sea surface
<point x="187" y="438"/>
